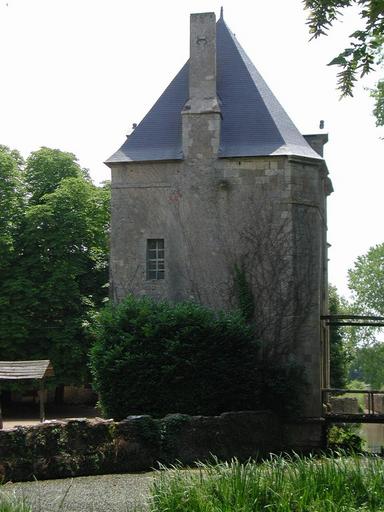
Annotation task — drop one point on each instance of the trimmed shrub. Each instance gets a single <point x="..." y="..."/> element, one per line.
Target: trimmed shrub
<point x="159" y="358"/>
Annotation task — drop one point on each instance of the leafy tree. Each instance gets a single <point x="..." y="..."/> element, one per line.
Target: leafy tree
<point x="338" y="351"/>
<point x="46" y="169"/>
<point x="65" y="247"/>
<point x="58" y="274"/>
<point x="365" y="48"/>
<point x="366" y="280"/>
<point x="11" y="201"/>
<point x="13" y="325"/>
<point x="368" y="364"/>
<point x="378" y="95"/>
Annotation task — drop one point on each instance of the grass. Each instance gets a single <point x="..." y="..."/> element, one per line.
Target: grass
<point x="13" y="504"/>
<point x="281" y="484"/>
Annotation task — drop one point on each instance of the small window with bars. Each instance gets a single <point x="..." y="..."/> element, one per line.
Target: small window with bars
<point x="155" y="258"/>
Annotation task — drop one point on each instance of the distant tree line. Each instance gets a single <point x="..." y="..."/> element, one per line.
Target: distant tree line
<point x="54" y="225"/>
<point x="357" y="353"/>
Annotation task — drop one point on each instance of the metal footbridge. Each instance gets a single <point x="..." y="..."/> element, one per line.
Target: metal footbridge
<point x="372" y="412"/>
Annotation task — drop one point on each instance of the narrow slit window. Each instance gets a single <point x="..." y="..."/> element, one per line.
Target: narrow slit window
<point x="155" y="258"/>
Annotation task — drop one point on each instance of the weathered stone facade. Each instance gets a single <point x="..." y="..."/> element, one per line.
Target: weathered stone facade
<point x="262" y="214"/>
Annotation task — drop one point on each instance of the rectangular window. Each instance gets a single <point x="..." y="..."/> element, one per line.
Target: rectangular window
<point x="155" y="258"/>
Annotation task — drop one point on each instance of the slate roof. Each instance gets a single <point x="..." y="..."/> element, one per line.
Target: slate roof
<point x="253" y="121"/>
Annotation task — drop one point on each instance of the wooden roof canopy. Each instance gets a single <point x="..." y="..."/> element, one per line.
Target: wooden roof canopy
<point x="17" y="370"/>
<point x="20" y="370"/>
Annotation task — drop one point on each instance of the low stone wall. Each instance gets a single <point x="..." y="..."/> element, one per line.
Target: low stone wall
<point x="344" y="405"/>
<point x="139" y="443"/>
<point x="378" y="402"/>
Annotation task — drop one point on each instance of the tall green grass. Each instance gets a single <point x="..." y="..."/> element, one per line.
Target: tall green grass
<point x="13" y="504"/>
<point x="295" y="484"/>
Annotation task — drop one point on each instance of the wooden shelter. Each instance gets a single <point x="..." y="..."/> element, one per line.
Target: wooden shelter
<point x="20" y="370"/>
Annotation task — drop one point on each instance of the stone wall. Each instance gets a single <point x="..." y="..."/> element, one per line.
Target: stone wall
<point x="344" y="405"/>
<point x="139" y="443"/>
<point x="379" y="403"/>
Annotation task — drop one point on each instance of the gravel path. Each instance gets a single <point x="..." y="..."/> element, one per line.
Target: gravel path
<point x="102" y="493"/>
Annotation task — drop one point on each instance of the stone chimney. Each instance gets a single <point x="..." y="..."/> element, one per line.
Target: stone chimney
<point x="317" y="142"/>
<point x="201" y="116"/>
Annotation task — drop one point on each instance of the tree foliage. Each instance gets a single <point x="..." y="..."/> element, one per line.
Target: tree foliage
<point x="368" y="364"/>
<point x="46" y="169"/>
<point x="56" y="273"/>
<point x="339" y="356"/>
<point x="365" y="45"/>
<point x="366" y="280"/>
<point x="11" y="201"/>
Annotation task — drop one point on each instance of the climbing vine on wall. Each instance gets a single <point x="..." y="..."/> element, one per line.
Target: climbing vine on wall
<point x="244" y="293"/>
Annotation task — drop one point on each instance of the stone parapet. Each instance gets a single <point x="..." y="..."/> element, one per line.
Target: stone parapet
<point x="139" y="443"/>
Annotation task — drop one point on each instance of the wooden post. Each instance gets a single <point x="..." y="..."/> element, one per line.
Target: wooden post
<point x="41" y="400"/>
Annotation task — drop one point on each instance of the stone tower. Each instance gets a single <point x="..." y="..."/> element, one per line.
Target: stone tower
<point x="216" y="194"/>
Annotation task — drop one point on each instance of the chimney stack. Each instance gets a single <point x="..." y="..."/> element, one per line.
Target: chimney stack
<point x="201" y="113"/>
<point x="202" y="63"/>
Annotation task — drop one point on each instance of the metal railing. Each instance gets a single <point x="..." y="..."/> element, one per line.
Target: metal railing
<point x="370" y="402"/>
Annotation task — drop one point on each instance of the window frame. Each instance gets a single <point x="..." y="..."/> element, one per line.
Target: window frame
<point x="155" y="259"/>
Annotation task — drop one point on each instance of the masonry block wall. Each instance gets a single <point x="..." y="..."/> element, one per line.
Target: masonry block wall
<point x="262" y="215"/>
<point x="139" y="443"/>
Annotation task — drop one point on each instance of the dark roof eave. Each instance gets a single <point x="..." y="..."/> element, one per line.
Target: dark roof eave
<point x="112" y="163"/>
<point x="307" y="159"/>
<point x="291" y="156"/>
<point x="289" y="153"/>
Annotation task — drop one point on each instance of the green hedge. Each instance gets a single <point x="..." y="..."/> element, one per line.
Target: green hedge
<point x="159" y="358"/>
